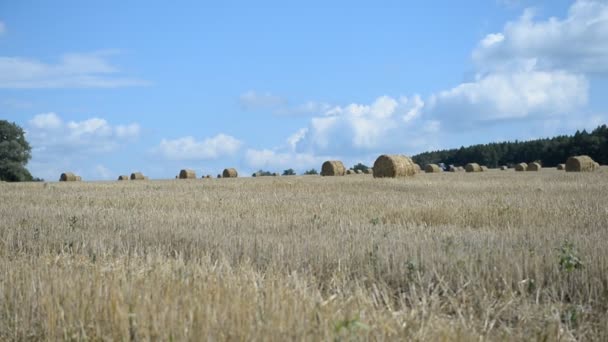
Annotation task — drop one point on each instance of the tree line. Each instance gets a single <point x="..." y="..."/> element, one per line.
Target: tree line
<point x="549" y="152"/>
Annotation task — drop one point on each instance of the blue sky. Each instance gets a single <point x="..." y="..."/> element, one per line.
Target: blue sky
<point x="115" y="87"/>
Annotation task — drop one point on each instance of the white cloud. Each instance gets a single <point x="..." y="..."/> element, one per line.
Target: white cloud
<point x="58" y="145"/>
<point x="188" y="148"/>
<point x="126" y="131"/>
<point x="2" y="28"/>
<point x="72" y="71"/>
<point x="516" y="95"/>
<point x="577" y="43"/>
<point x="252" y="100"/>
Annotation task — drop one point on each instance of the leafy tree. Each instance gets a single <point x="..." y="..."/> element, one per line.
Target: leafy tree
<point x="289" y="172"/>
<point x="311" y="172"/>
<point x="15" y="152"/>
<point x="261" y="173"/>
<point x="361" y="167"/>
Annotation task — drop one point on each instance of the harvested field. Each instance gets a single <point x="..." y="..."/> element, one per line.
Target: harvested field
<point x="324" y="258"/>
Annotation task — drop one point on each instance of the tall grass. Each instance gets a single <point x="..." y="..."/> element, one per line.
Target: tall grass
<point x="454" y="256"/>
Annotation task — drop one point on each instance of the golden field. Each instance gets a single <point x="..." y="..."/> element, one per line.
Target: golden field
<point x="499" y="255"/>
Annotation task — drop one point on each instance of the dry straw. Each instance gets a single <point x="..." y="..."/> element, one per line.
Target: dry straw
<point x="230" y="173"/>
<point x="561" y="166"/>
<point x="394" y="166"/>
<point x="187" y="174"/>
<point x="472" y="167"/>
<point x="504" y="168"/>
<point x="534" y="167"/>
<point x="484" y="168"/>
<point x="368" y="171"/>
<point x="137" y="176"/>
<point x="417" y="168"/>
<point x="580" y="164"/>
<point x="123" y="177"/>
<point x="333" y="168"/>
<point x="432" y="168"/>
<point x="521" y="167"/>
<point x="68" y="177"/>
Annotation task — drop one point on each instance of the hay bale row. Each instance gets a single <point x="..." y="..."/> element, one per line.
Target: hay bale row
<point x="69" y="177"/>
<point x="581" y="164"/>
<point x="123" y="177"/>
<point x="230" y="173"/>
<point x="521" y="167"/>
<point x="432" y="168"/>
<point x="394" y="166"/>
<point x="187" y="174"/>
<point x="138" y="176"/>
<point x="333" y="168"/>
<point x="534" y="167"/>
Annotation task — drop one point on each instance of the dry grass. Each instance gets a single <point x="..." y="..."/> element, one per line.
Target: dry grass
<point x="429" y="257"/>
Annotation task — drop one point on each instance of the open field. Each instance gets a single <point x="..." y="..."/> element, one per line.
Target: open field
<point x="453" y="256"/>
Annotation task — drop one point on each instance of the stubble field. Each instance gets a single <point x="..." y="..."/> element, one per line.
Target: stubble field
<point x="452" y="256"/>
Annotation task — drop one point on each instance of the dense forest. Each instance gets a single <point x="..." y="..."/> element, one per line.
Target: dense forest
<point x="549" y="152"/>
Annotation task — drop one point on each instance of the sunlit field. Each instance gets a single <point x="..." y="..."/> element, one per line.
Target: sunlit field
<point x="499" y="255"/>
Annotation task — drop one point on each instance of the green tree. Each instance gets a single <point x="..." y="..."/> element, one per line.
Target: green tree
<point x="15" y="152"/>
<point x="311" y="172"/>
<point x="289" y="172"/>
<point x="361" y="167"/>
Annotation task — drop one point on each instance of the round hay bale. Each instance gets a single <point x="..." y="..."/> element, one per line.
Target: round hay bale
<point x="123" y="177"/>
<point x="137" y="176"/>
<point x="187" y="174"/>
<point x="368" y="171"/>
<point x="333" y="168"/>
<point x="521" y="167"/>
<point x="350" y="172"/>
<point x="580" y="164"/>
<point x="453" y="168"/>
<point x="432" y="168"/>
<point x="504" y="168"/>
<point x="208" y="176"/>
<point x="78" y="178"/>
<point x="561" y="167"/>
<point x="68" y="177"/>
<point x="417" y="168"/>
<point x="472" y="167"/>
<point x="534" y="167"/>
<point x="394" y="166"/>
<point x="484" y="168"/>
<point x="359" y="172"/>
<point x="230" y="173"/>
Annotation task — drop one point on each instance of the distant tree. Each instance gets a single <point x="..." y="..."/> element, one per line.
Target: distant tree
<point x="15" y="152"/>
<point x="261" y="173"/>
<point x="289" y="172"/>
<point x="311" y="172"/>
<point x="361" y="167"/>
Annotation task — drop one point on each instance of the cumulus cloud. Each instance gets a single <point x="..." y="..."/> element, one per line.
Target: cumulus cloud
<point x="267" y="159"/>
<point x="188" y="148"/>
<point x="576" y="43"/>
<point x="71" y="71"/>
<point x="517" y="95"/>
<point x="59" y="145"/>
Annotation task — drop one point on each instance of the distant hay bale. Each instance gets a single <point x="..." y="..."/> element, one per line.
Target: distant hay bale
<point x="581" y="164"/>
<point x="394" y="166"/>
<point x="472" y="167"/>
<point x="68" y="177"/>
<point x="333" y="168"/>
<point x="230" y="173"/>
<point x="187" y="174"/>
<point x="432" y="168"/>
<point x="417" y="168"/>
<point x="484" y="168"/>
<point x="78" y="178"/>
<point x="368" y="171"/>
<point x="137" y="176"/>
<point x="123" y="177"/>
<point x="350" y="172"/>
<point x="561" y="167"/>
<point x="534" y="167"/>
<point x="521" y="167"/>
<point x="453" y="168"/>
<point x="504" y="168"/>
<point x="208" y="176"/>
<point x="359" y="172"/>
